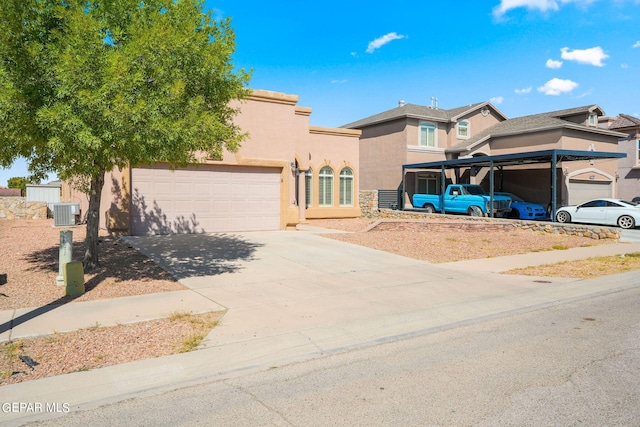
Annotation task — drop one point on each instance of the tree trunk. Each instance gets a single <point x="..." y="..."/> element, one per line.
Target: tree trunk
<point x="93" y="221"/>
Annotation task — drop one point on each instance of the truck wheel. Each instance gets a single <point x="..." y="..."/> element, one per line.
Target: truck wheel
<point x="428" y="208"/>
<point x="474" y="211"/>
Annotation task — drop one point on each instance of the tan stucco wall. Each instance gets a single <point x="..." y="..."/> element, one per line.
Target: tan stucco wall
<point x="385" y="147"/>
<point x="382" y="153"/>
<point x="345" y="154"/>
<point x="278" y="135"/>
<point x="628" y="168"/>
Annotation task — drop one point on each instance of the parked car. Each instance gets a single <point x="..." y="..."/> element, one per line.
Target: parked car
<point x="636" y="200"/>
<point x="462" y="198"/>
<point x="524" y="210"/>
<point x="602" y="211"/>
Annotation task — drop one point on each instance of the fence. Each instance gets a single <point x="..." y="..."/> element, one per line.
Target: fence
<point x="19" y="208"/>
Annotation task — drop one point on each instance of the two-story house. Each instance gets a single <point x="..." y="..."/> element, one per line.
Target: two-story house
<point x="628" y="167"/>
<point x="411" y="134"/>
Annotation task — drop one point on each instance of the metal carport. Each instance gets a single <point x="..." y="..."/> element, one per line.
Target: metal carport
<point x="553" y="157"/>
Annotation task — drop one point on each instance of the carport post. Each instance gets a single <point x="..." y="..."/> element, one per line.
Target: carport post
<point x="443" y="188"/>
<point x="491" y="182"/>
<point x="404" y="173"/>
<point x="554" y="177"/>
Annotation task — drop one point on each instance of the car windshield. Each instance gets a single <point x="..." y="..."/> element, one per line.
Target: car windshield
<point x="512" y="197"/>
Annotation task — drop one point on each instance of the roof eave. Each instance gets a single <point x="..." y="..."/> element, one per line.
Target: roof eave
<point x="476" y="107"/>
<point x="355" y="125"/>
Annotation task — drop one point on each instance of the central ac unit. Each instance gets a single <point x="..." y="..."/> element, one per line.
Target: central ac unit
<point x="65" y="214"/>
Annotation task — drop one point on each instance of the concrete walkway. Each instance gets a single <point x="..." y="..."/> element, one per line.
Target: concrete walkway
<point x="292" y="296"/>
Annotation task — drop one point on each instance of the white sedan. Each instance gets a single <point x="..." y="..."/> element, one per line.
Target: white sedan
<point x="602" y="211"/>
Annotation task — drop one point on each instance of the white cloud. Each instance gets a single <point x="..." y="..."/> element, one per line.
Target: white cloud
<point x="507" y="5"/>
<point x="552" y="63"/>
<point x="557" y="86"/>
<point x="338" y="81"/>
<point x="587" y="93"/>
<point x="636" y="44"/>
<point x="497" y="100"/>
<point x="381" y="41"/>
<point x="591" y="56"/>
<point x="541" y="5"/>
<point x="524" y="91"/>
<point x="625" y="66"/>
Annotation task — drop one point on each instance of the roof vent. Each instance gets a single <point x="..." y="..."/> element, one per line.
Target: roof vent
<point x="401" y="103"/>
<point x="434" y="102"/>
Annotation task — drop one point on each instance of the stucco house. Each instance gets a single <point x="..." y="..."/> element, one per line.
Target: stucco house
<point x="285" y="172"/>
<point x="628" y="167"/>
<point x="412" y="134"/>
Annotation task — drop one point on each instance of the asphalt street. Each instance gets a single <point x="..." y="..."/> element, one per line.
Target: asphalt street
<point x="572" y="364"/>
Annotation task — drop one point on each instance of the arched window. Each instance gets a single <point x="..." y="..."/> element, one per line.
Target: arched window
<point x="325" y="191"/>
<point x="308" y="185"/>
<point x="346" y="187"/>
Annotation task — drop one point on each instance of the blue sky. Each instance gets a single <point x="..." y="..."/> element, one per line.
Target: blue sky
<point x="351" y="59"/>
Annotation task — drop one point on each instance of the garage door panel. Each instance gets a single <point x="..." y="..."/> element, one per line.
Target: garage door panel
<point x="206" y="199"/>
<point x="583" y="191"/>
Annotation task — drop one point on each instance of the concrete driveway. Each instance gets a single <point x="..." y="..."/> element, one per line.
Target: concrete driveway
<point x="335" y="294"/>
<point x="293" y="296"/>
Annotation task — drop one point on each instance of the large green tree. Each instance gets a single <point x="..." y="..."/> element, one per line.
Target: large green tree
<point x="87" y="86"/>
<point x="18" y="182"/>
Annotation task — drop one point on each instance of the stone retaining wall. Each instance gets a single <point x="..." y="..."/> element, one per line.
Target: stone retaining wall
<point x="19" y="208"/>
<point x="592" y="231"/>
<point x="368" y="203"/>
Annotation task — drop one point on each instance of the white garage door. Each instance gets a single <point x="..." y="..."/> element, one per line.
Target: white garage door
<point x="205" y="199"/>
<point x="581" y="191"/>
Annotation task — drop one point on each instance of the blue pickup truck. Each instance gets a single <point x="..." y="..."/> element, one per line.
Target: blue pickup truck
<point x="463" y="198"/>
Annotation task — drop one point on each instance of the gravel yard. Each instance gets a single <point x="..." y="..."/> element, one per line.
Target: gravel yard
<point x="29" y="266"/>
<point x="28" y="270"/>
<point x="444" y="241"/>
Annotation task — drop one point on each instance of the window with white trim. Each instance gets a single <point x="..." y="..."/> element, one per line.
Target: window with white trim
<point x="463" y="129"/>
<point x="638" y="152"/>
<point x="346" y="187"/>
<point x="428" y="136"/>
<point x="325" y="191"/>
<point x="308" y="186"/>
<point x="593" y="119"/>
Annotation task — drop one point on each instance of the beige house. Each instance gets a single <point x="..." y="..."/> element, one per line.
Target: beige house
<point x="285" y="172"/>
<point x="629" y="167"/>
<point x="412" y="134"/>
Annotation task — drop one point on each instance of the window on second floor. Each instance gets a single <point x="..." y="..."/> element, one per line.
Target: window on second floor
<point x="593" y="119"/>
<point x="638" y="152"/>
<point x="427" y="135"/>
<point x="463" y="129"/>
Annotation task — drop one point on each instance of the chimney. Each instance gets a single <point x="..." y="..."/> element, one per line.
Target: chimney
<point x="401" y="103"/>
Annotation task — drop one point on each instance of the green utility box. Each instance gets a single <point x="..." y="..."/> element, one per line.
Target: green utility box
<point x="73" y="279"/>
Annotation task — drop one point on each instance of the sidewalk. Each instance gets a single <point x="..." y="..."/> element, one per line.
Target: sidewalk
<point x="319" y="296"/>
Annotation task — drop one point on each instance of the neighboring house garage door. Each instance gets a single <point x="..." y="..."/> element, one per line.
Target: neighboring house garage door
<point x="581" y="191"/>
<point x="204" y="199"/>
